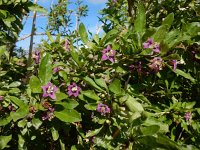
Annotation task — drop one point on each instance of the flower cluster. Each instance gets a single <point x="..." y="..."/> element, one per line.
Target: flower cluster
<point x="49" y="90"/>
<point x="49" y="114"/>
<point x="187" y="116"/>
<point x="73" y="89"/>
<point x="152" y="45"/>
<point x="108" y="54"/>
<point x="103" y="109"/>
<point x="36" y="56"/>
<point x="156" y="64"/>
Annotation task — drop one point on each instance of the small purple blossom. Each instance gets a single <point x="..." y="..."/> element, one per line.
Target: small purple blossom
<point x="67" y="45"/>
<point x="36" y="56"/>
<point x="11" y="108"/>
<point x="1" y="98"/>
<point x="103" y="109"/>
<point x="136" y="66"/>
<point x="56" y="69"/>
<point x="156" y="64"/>
<point x="49" y="91"/>
<point x="148" y="43"/>
<point x="48" y="115"/>
<point x="73" y="89"/>
<point x="174" y="63"/>
<point x="108" y="54"/>
<point x="187" y="116"/>
<point x="152" y="45"/>
<point x="156" y="48"/>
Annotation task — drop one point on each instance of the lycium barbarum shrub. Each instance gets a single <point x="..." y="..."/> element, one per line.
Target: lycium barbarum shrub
<point x="134" y="88"/>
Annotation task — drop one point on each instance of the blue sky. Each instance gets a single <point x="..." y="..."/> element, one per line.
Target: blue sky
<point x="91" y="21"/>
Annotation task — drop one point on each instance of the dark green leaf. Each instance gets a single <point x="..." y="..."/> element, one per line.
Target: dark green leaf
<point x="54" y="133"/>
<point x="185" y="75"/>
<point x="150" y="130"/>
<point x="35" y="84"/>
<point x="168" y="20"/>
<point x="68" y="115"/>
<point x="91" y="94"/>
<point x="101" y="82"/>
<point x="83" y="33"/>
<point x="133" y="104"/>
<point x="4" y="141"/>
<point x="140" y="21"/>
<point x="89" y="81"/>
<point x="93" y="133"/>
<point x="160" y="33"/>
<point x="60" y="96"/>
<point x="115" y="86"/>
<point x="45" y="69"/>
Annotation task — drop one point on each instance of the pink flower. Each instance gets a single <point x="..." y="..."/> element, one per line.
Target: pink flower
<point x="49" y="114"/>
<point x="73" y="89"/>
<point x="156" y="64"/>
<point x="174" y="63"/>
<point x="108" y="54"/>
<point x="152" y="45"/>
<point x="187" y="116"/>
<point x="49" y="91"/>
<point x="67" y="45"/>
<point x="36" y="56"/>
<point x="56" y="69"/>
<point x="1" y="98"/>
<point x="103" y="109"/>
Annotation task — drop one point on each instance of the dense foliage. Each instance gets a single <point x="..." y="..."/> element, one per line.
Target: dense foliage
<point x="137" y="86"/>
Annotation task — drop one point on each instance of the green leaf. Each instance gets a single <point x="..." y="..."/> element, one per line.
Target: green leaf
<point x="160" y="33"/>
<point x="22" y="123"/>
<point x="93" y="133"/>
<point x="35" y="7"/>
<point x="168" y="20"/>
<point x="91" y="106"/>
<point x="54" y="133"/>
<point x="108" y="36"/>
<point x="35" y="84"/>
<point x="4" y="141"/>
<point x="89" y="81"/>
<point x="150" y="130"/>
<point x="68" y="104"/>
<point x="185" y="75"/>
<point x="140" y="21"/>
<point x="172" y="57"/>
<point x="17" y="101"/>
<point x="75" y="57"/>
<point x="91" y="94"/>
<point x="68" y="116"/>
<point x="14" y="84"/>
<point x="101" y="83"/>
<point x="133" y="104"/>
<point x="60" y="96"/>
<point x="49" y="36"/>
<point x="2" y="50"/>
<point x="63" y="74"/>
<point x="197" y="56"/>
<point x="83" y="33"/>
<point x="45" y="69"/>
<point x="5" y="121"/>
<point x="36" y="123"/>
<point x="20" y="113"/>
<point x="115" y="87"/>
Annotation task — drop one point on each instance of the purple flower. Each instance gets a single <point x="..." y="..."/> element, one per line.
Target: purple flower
<point x="108" y="54"/>
<point x="187" y="116"/>
<point x="156" y="64"/>
<point x="11" y="108"/>
<point x="48" y="115"/>
<point x="152" y="45"/>
<point x="174" y="63"/>
<point x="103" y="109"/>
<point x="49" y="91"/>
<point x="73" y="89"/>
<point x="36" y="56"/>
<point x="156" y="48"/>
<point x="1" y="98"/>
<point x="56" y="69"/>
<point x="148" y="43"/>
<point x="67" y="45"/>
